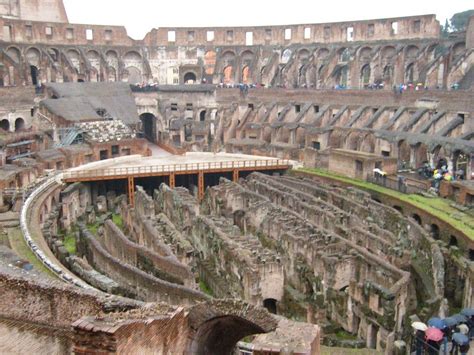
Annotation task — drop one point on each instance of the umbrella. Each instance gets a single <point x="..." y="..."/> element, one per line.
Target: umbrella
<point x="460" y="318"/>
<point x="463" y="329"/>
<point x="437" y="323"/>
<point x="468" y="312"/>
<point x="451" y="321"/>
<point x="419" y="326"/>
<point x="460" y="339"/>
<point x="434" y="334"/>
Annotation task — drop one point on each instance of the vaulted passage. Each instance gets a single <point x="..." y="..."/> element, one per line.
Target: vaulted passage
<point x="219" y="335"/>
<point x="149" y="126"/>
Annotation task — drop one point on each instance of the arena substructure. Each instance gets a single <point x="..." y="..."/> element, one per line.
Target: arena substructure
<point x="247" y="190"/>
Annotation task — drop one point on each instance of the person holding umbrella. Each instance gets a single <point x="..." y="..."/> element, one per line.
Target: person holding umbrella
<point x="441" y="324"/>
<point x="420" y="329"/>
<point x="460" y="344"/>
<point x="433" y="339"/>
<point x="469" y="314"/>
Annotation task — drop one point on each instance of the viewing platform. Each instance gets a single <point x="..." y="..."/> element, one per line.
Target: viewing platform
<point x="192" y="164"/>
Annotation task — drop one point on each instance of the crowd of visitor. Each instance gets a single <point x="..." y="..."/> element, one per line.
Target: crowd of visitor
<point x="451" y="335"/>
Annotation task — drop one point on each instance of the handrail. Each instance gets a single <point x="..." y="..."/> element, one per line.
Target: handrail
<point x="25" y="228"/>
<point x="175" y="168"/>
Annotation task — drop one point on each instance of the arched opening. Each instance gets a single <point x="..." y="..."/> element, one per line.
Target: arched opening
<point x="80" y="80"/>
<point x="227" y="74"/>
<point x="271" y="305"/>
<point x="417" y="218"/>
<point x="403" y="154"/>
<point x="202" y="116"/>
<point x="398" y="208"/>
<point x="343" y="76"/>
<point x="245" y="74"/>
<point x="460" y="163"/>
<point x="19" y="124"/>
<point x="471" y="254"/>
<point x="434" y="231"/>
<point x="365" y="76"/>
<point x="453" y="241"/>
<point x="149" y="126"/>
<point x="5" y="125"/>
<point x="34" y="75"/>
<point x="190" y="78"/>
<point x="188" y="132"/>
<point x="219" y="335"/>
<point x="388" y="75"/>
<point x="410" y="73"/>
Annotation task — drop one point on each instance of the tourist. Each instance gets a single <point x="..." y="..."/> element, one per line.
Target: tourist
<point x="419" y="341"/>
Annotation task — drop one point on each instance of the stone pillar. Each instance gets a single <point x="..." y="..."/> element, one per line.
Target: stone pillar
<point x="412" y="157"/>
<point x="292" y="136"/>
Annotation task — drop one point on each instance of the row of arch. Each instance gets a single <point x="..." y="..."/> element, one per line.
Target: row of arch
<point x="18" y="125"/>
<point x="131" y="66"/>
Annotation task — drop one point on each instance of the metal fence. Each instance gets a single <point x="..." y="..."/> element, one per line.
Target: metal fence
<point x="397" y="185"/>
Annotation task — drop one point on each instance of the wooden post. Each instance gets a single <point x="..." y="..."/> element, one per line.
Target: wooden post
<point x="200" y="185"/>
<point x="131" y="191"/>
<point x="172" y="180"/>
<point x="235" y="175"/>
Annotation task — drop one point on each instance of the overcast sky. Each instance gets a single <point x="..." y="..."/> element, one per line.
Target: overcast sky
<point x="140" y="16"/>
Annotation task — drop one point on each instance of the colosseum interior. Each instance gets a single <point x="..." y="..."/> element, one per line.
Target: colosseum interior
<point x="300" y="189"/>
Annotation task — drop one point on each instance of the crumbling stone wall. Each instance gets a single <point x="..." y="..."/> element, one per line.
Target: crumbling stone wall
<point x="139" y="283"/>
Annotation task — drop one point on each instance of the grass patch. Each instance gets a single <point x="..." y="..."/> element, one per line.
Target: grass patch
<point x="19" y="246"/>
<point x="118" y="221"/>
<point x="70" y="243"/>
<point x="93" y="228"/>
<point x="438" y="207"/>
<point x="205" y="288"/>
<point x="341" y="334"/>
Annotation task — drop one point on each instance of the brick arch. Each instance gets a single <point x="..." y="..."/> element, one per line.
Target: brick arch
<point x="14" y="53"/>
<point x="217" y="325"/>
<point x="304" y="53"/>
<point x="352" y="140"/>
<point x="32" y="52"/>
<point x="364" y="53"/>
<point x="367" y="143"/>
<point x="412" y="51"/>
<point x="388" y="52"/>
<point x="322" y="53"/>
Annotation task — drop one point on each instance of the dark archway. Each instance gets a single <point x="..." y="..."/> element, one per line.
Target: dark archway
<point x="399" y="209"/>
<point x="202" y="116"/>
<point x="219" y="335"/>
<point x="5" y="125"/>
<point x="19" y="124"/>
<point x="417" y="218"/>
<point x="190" y="78"/>
<point x="149" y="126"/>
<point x="434" y="230"/>
<point x="270" y="304"/>
<point x="34" y="75"/>
<point x="188" y="132"/>
<point x="365" y="76"/>
<point x="453" y="241"/>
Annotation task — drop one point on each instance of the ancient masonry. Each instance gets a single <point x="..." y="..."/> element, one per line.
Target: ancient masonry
<point x="134" y="247"/>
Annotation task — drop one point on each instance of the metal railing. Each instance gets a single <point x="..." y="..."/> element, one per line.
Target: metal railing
<point x="176" y="168"/>
<point x="395" y="185"/>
